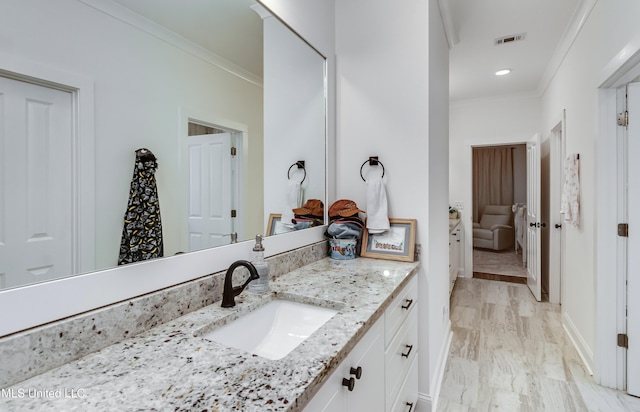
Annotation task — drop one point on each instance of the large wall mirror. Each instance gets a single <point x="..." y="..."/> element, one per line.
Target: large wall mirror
<point x="187" y="80"/>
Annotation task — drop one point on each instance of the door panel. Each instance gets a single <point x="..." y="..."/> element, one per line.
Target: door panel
<point x="533" y="218"/>
<point x="36" y="214"/>
<point x="633" y="242"/>
<point x="210" y="197"/>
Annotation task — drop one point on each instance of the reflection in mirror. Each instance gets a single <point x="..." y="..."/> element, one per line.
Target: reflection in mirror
<point x="294" y="129"/>
<point x="114" y="76"/>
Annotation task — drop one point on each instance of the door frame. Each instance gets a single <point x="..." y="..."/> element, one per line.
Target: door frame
<point x="610" y="360"/>
<point x="557" y="237"/>
<point x="239" y="139"/>
<point x="81" y="89"/>
<point x="467" y="217"/>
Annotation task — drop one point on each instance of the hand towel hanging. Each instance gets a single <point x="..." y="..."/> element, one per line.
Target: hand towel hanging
<point x="570" y="204"/>
<point x="377" y="206"/>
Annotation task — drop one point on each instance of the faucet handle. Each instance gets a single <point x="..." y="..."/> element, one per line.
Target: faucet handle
<point x="230" y="292"/>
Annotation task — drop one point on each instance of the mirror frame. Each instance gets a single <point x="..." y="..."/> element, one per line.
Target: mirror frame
<point x="37" y="304"/>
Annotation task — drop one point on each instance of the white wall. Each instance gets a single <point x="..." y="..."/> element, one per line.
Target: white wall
<point x="392" y="89"/>
<point x="495" y="121"/>
<point x="611" y="26"/>
<point x="141" y="86"/>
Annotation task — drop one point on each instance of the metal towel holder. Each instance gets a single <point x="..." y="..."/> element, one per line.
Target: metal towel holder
<point x="373" y="161"/>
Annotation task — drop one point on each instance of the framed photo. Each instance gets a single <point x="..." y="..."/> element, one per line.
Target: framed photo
<point x="397" y="243"/>
<point x="275" y="226"/>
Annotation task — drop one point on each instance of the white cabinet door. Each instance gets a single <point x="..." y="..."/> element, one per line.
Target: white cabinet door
<point x="368" y="391"/>
<point x="368" y="355"/>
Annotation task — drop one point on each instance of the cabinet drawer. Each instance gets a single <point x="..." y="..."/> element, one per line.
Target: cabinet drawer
<point x="399" y="356"/>
<point x="399" y="309"/>
<point x="407" y="399"/>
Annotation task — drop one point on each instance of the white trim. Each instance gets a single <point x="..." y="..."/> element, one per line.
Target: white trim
<point x="441" y="365"/>
<point x="137" y="21"/>
<point x="557" y="237"/>
<point x="467" y="218"/>
<point x="570" y="35"/>
<point x="578" y="342"/>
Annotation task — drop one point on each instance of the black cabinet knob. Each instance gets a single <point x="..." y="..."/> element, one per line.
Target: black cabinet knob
<point x="558" y="225"/>
<point x="349" y="383"/>
<point x="408" y="305"/>
<point x="356" y="371"/>
<point x="532" y="224"/>
<point x="410" y="405"/>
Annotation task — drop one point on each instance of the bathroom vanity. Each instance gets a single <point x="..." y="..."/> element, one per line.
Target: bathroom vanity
<point x="171" y="366"/>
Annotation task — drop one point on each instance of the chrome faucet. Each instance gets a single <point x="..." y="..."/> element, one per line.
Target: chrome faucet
<point x="230" y="292"/>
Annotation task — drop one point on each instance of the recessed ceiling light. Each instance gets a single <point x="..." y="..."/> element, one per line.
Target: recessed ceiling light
<point x="503" y="72"/>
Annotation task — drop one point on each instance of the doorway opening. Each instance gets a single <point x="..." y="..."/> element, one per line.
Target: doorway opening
<point x="499" y="196"/>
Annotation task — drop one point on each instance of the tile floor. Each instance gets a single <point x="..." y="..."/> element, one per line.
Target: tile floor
<point x="505" y="262"/>
<point x="510" y="353"/>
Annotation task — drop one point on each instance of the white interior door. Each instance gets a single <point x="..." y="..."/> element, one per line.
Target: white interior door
<point x="533" y="217"/>
<point x="633" y="241"/>
<point x="210" y="195"/>
<point x="35" y="183"/>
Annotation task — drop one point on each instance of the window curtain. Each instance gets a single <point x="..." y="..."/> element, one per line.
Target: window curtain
<point x="492" y="178"/>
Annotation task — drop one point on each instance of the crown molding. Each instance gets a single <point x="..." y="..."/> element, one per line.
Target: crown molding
<point x="569" y="36"/>
<point x="145" y="25"/>
<point x="447" y="22"/>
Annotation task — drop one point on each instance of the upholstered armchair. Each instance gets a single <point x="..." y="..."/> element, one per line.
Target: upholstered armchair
<point x="495" y="230"/>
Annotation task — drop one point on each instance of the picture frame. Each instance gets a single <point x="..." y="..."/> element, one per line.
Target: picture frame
<point x="398" y="243"/>
<point x="275" y="226"/>
<point x="274" y="219"/>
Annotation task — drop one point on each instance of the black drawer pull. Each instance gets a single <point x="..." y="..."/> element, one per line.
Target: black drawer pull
<point x="349" y="383"/>
<point x="408" y="305"/>
<point x="406" y="355"/>
<point x="356" y="371"/>
<point x="410" y="405"/>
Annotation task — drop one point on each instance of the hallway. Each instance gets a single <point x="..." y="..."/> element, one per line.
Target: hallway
<point x="510" y="353"/>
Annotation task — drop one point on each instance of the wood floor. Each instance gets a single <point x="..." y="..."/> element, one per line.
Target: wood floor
<point x="510" y="353"/>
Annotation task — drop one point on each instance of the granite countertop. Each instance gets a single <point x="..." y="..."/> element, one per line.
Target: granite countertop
<point x="170" y="368"/>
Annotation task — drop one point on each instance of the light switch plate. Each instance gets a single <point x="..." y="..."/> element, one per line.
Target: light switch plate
<point x="458" y="205"/>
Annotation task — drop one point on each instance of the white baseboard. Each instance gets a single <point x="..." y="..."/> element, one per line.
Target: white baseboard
<point x="428" y="402"/>
<point x="585" y="353"/>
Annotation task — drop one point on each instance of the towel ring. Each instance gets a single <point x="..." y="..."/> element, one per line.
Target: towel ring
<point x="372" y="161"/>
<point x="300" y="164"/>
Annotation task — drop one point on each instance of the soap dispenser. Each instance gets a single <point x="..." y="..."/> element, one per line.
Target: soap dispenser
<point x="261" y="284"/>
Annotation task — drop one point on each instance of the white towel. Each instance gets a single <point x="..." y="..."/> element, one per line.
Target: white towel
<point x="377" y="215"/>
<point x="570" y="204"/>
<point x="291" y="201"/>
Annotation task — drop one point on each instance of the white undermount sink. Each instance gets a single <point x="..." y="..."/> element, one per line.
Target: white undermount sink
<point x="272" y="330"/>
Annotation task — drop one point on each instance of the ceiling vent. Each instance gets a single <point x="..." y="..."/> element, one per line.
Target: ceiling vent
<point x="509" y="39"/>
